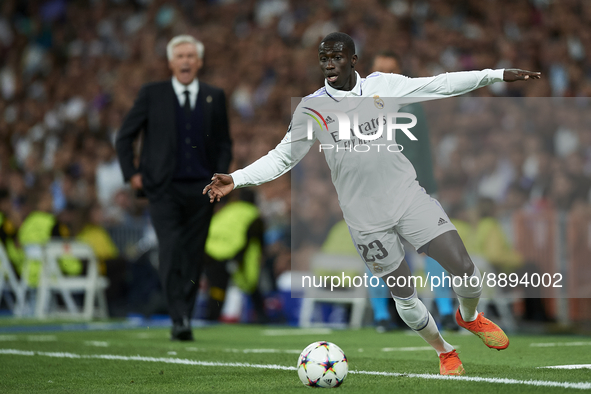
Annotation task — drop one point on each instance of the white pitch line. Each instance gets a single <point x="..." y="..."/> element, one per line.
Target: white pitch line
<point x="573" y="366"/>
<point x="96" y="343"/>
<point x="41" y="338"/>
<point x="196" y="349"/>
<point x="539" y="383"/>
<point x="407" y="349"/>
<point x="553" y="344"/>
<point x="297" y="331"/>
<point x="291" y="351"/>
<point x="145" y="335"/>
<point x="147" y="359"/>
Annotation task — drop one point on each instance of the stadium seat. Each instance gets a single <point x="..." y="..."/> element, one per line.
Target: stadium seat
<point x="52" y="280"/>
<point x="323" y="264"/>
<point x="9" y="282"/>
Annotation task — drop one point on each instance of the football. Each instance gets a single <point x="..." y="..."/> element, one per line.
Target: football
<point x="322" y="364"/>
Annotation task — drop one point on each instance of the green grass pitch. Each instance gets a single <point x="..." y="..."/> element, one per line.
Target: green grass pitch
<point x="253" y="359"/>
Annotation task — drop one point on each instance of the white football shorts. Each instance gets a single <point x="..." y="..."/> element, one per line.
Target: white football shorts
<point x="382" y="251"/>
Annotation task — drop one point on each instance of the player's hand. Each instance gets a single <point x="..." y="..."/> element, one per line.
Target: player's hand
<point x="136" y="182"/>
<point x="221" y="185"/>
<point x="515" y="74"/>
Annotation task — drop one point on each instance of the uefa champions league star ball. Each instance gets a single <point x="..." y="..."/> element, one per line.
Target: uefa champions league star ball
<point x="322" y="364"/>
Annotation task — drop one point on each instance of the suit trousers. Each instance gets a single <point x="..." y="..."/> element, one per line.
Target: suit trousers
<point x="181" y="218"/>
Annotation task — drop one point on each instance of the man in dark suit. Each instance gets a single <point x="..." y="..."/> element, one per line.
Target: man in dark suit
<point x="185" y="141"/>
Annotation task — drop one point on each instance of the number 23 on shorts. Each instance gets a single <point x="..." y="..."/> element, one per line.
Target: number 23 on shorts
<point x="377" y="250"/>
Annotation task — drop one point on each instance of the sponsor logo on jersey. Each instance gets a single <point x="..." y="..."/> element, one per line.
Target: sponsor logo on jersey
<point x="441" y="221"/>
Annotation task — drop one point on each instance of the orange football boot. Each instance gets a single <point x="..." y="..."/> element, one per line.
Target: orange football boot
<point x="489" y="332"/>
<point x="450" y="364"/>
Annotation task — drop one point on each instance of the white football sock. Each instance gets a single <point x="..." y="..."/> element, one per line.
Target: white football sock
<point x="432" y="336"/>
<point x="468" y="308"/>
<point x="469" y="294"/>
<point x="414" y="313"/>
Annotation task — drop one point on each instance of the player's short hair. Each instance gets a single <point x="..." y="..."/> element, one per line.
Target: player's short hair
<point x="182" y="39"/>
<point x="341" y="37"/>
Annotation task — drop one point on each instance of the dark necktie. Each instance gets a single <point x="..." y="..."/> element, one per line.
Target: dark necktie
<point x="187" y="105"/>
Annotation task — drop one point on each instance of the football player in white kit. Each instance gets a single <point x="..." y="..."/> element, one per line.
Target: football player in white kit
<point x="378" y="192"/>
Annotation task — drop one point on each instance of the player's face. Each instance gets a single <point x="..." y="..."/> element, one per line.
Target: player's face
<point x="337" y="65"/>
<point x="185" y="62"/>
<point x="385" y="64"/>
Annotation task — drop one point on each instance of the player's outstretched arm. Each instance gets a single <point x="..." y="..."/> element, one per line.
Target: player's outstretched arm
<point x="410" y="90"/>
<point x="221" y="185"/>
<point x="515" y="74"/>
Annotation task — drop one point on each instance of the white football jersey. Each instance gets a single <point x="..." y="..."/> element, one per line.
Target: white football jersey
<point x="373" y="180"/>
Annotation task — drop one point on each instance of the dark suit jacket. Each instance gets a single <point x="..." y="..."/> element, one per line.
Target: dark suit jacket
<point x="154" y="113"/>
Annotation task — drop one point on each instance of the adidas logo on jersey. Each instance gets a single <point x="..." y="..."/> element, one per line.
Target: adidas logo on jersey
<point x="441" y="221"/>
<point x="329" y="120"/>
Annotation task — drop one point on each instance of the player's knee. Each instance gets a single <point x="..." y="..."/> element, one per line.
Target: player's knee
<point x="466" y="266"/>
<point x="459" y="262"/>
<point x="470" y="286"/>
<point x="449" y="250"/>
<point x="413" y="312"/>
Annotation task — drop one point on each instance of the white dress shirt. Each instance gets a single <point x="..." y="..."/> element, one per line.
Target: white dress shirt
<point x="179" y="89"/>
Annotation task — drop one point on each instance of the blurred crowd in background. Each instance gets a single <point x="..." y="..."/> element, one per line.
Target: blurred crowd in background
<point x="70" y="70"/>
